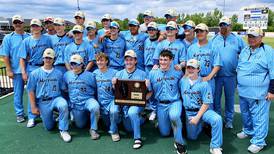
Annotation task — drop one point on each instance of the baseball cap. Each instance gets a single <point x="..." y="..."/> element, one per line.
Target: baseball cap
<point x="225" y="20"/>
<point x="59" y="21"/>
<point x="202" y="26"/>
<point x="189" y="23"/>
<point x="148" y="13"/>
<point x="79" y="14"/>
<point x="77" y="28"/>
<point x="171" y="12"/>
<point x="35" y="22"/>
<point x="153" y="25"/>
<point x="17" y="17"/>
<point x="193" y="63"/>
<point x="255" y="31"/>
<point x="49" y="53"/>
<point x="130" y="53"/>
<point x="171" y="24"/>
<point x="76" y="59"/>
<point x="106" y="16"/>
<point x="49" y="19"/>
<point x="133" y="22"/>
<point x="114" y="24"/>
<point x="91" y="24"/>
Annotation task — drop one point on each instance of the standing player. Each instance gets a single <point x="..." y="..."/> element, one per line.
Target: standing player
<point x="114" y="47"/>
<point x="59" y="43"/>
<point x="105" y="20"/>
<point x="148" y="17"/>
<point x="197" y="96"/>
<point x="49" y="27"/>
<point x="10" y="48"/>
<point x="131" y="114"/>
<point x="255" y="75"/>
<point x="79" y="17"/>
<point x="163" y="82"/>
<point x="229" y="45"/>
<point x="108" y="110"/>
<point x="190" y="38"/>
<point x="81" y="88"/>
<point x="172" y="44"/>
<point x="208" y="57"/>
<point x="92" y="37"/>
<point x="30" y="54"/>
<point x="81" y="47"/>
<point x="135" y="41"/>
<point x="44" y="89"/>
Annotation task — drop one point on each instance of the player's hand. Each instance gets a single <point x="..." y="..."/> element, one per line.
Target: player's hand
<point x="178" y="67"/>
<point x="95" y="46"/>
<point x="25" y="76"/>
<point x="162" y="37"/>
<point x="269" y="96"/>
<point x="114" y="81"/>
<point x="147" y="82"/>
<point x="10" y="74"/>
<point x="207" y="78"/>
<point x="194" y="120"/>
<point x="35" y="110"/>
<point x="155" y="67"/>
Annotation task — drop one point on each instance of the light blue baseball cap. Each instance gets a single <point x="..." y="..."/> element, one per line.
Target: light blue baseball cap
<point x="114" y="24"/>
<point x="133" y="22"/>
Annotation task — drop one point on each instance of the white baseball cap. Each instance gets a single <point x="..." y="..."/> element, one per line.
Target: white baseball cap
<point x="148" y="13"/>
<point x="171" y="12"/>
<point x="77" y="28"/>
<point x="76" y="59"/>
<point x="59" y="21"/>
<point x="130" y="53"/>
<point x="255" y="31"/>
<point x="49" y="52"/>
<point x="153" y="25"/>
<point x="17" y="17"/>
<point x="114" y="24"/>
<point x="106" y="16"/>
<point x="35" y="22"/>
<point x="189" y="23"/>
<point x="79" y="14"/>
<point x="202" y="26"/>
<point x="171" y="24"/>
<point x="133" y="22"/>
<point x="225" y="20"/>
<point x="91" y="24"/>
<point x="193" y="63"/>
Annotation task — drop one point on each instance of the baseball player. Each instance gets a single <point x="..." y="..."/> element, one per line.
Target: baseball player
<point x="208" y="57"/>
<point x="105" y="20"/>
<point x="197" y="96"/>
<point x="148" y="17"/>
<point x="108" y="110"/>
<point x="44" y="89"/>
<point x="79" y="17"/>
<point x="92" y="37"/>
<point x="132" y="119"/>
<point x="81" y="87"/>
<point x="172" y="44"/>
<point x="10" y="48"/>
<point x="190" y="38"/>
<point x="163" y="82"/>
<point x="59" y="43"/>
<point x="255" y="76"/>
<point x="31" y="56"/>
<point x="49" y="27"/>
<point x="114" y="47"/>
<point x="230" y="46"/>
<point x="81" y="47"/>
<point x="135" y="41"/>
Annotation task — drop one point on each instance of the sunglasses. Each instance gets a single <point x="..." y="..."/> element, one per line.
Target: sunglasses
<point x="190" y="67"/>
<point x="151" y="29"/>
<point x="199" y="31"/>
<point x="48" y="22"/>
<point x="170" y="28"/>
<point x="104" y="20"/>
<point x="76" y="32"/>
<point x="17" y="22"/>
<point x="48" y="58"/>
<point x="34" y="26"/>
<point x="131" y="25"/>
<point x="77" y="17"/>
<point x="223" y="25"/>
<point x="73" y="64"/>
<point x="90" y="28"/>
<point x="149" y="17"/>
<point x="187" y="27"/>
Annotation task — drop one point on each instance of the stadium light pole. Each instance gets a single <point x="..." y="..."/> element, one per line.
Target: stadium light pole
<point x="224" y="9"/>
<point x="78" y="7"/>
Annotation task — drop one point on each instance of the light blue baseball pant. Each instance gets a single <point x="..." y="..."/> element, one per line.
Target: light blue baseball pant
<point x="18" y="89"/>
<point x="111" y="117"/>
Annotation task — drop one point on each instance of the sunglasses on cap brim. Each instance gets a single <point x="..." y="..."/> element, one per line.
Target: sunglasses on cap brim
<point x="170" y="28"/>
<point x="199" y="31"/>
<point x="48" y="22"/>
<point x="17" y="22"/>
<point x="76" y="32"/>
<point x="187" y="27"/>
<point x="190" y="67"/>
<point x="55" y="24"/>
<point x="223" y="24"/>
<point x="90" y="28"/>
<point x="151" y="29"/>
<point x="103" y="20"/>
<point x="113" y="27"/>
<point x="78" y="17"/>
<point x="146" y="16"/>
<point x="252" y="36"/>
<point x="34" y="25"/>
<point x="132" y="25"/>
<point x="75" y="64"/>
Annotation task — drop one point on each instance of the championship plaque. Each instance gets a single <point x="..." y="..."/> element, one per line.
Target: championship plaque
<point x="130" y="92"/>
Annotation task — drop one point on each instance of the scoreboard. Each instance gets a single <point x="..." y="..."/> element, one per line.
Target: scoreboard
<point x="255" y="17"/>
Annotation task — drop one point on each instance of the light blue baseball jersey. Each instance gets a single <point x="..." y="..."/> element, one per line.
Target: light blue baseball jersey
<point x="32" y="50"/>
<point x="59" y="44"/>
<point x="135" y="75"/>
<point x="150" y="47"/>
<point x="11" y="48"/>
<point x="176" y="47"/>
<point x="85" y="50"/>
<point x="195" y="95"/>
<point x="229" y="48"/>
<point x="101" y="32"/>
<point x="162" y="28"/>
<point x="207" y="55"/>
<point x="254" y="71"/>
<point x="81" y="87"/>
<point x="188" y="44"/>
<point x="136" y="43"/>
<point x="45" y="85"/>
<point x="105" y="92"/>
<point x="115" y="50"/>
<point x="165" y="84"/>
<point x="95" y="43"/>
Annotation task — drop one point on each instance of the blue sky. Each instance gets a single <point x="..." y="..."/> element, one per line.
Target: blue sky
<point x="94" y="9"/>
